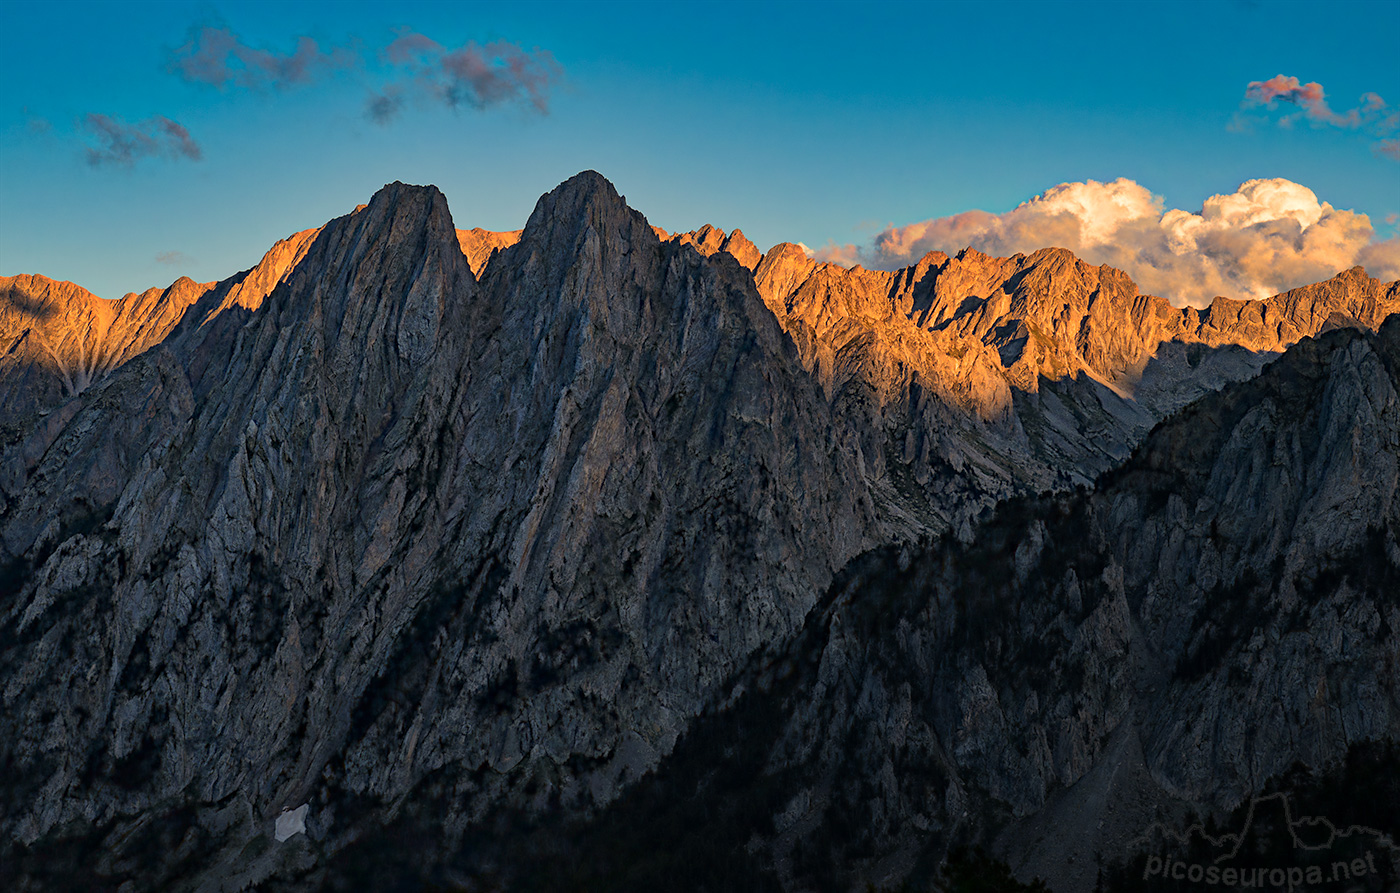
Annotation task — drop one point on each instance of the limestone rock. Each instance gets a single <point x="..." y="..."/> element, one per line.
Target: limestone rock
<point x="425" y="525"/>
<point x="57" y="339"/>
<point x="61" y="339"/>
<point x="710" y="241"/>
<point x="1041" y="371"/>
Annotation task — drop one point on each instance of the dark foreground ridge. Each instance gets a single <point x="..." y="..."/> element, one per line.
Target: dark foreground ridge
<point x="1060" y="669"/>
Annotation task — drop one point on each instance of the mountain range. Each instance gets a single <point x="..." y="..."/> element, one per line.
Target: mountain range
<point x="502" y="553"/>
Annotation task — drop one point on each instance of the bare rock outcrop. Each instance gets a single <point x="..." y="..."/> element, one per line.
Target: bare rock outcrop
<point x="1047" y="316"/>
<point x="709" y="240"/>
<point x="1039" y="371"/>
<point x="60" y="339"/>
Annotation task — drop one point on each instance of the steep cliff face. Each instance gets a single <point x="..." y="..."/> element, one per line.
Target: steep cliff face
<point x="1220" y="607"/>
<point x="397" y="525"/>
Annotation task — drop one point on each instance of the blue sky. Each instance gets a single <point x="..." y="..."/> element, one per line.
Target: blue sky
<point x="813" y="122"/>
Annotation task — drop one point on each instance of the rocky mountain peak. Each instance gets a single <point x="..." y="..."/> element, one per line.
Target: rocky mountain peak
<point x="933" y="259"/>
<point x="707" y="239"/>
<point x="744" y="251"/>
<point x="57" y="339"/>
<point x="785" y="267"/>
<point x="402" y="204"/>
<point x="389" y="271"/>
<point x="586" y="203"/>
<point x="710" y="240"/>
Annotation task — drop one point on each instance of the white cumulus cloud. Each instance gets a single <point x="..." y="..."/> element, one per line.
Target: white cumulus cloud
<point x="1266" y="237"/>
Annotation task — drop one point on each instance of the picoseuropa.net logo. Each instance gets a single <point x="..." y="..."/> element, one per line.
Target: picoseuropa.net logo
<point x="1293" y="877"/>
<point x="1273" y="851"/>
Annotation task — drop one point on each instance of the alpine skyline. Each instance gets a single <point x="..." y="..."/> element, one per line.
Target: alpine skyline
<point x="150" y="141"/>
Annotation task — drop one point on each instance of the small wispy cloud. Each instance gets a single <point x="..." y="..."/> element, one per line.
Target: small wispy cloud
<point x="847" y="255"/>
<point x="122" y="144"/>
<point x="412" y="66"/>
<point x="1309" y="103"/>
<point x="37" y="125"/>
<point x="173" y="258"/>
<point x="384" y="106"/>
<point x="222" y="59"/>
<point x="474" y="75"/>
<point x="1310" y="98"/>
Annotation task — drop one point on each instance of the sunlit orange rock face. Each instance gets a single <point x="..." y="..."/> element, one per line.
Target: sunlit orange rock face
<point x="1022" y="373"/>
<point x="56" y="338"/>
<point x="248" y="290"/>
<point x="709" y="240"/>
<point x="972" y="328"/>
<point x="479" y="244"/>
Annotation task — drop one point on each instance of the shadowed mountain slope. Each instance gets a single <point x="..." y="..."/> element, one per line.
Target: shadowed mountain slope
<point x="1216" y="611"/>
<point x="59" y="339"/>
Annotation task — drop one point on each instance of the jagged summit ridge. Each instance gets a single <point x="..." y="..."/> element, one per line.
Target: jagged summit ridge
<point x="383" y="531"/>
<point x="709" y="240"/>
<point x="1037" y="370"/>
<point x="403" y="245"/>
<point x="1032" y="334"/>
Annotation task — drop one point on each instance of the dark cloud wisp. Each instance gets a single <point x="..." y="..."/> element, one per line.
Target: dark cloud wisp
<point x="220" y="58"/>
<point x="382" y="107"/>
<point x="412" y="67"/>
<point x="474" y="75"/>
<point x="124" y="144"/>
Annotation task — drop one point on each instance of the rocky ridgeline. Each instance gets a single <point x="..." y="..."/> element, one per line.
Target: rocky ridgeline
<point x="974" y="378"/>
<point x="484" y="521"/>
<point x="966" y="379"/>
